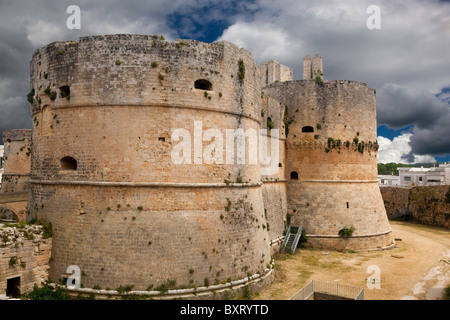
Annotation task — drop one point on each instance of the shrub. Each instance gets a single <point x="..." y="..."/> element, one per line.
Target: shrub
<point x="154" y="64"/>
<point x="319" y="126"/>
<point x="118" y="63"/>
<point x="53" y="95"/>
<point x="30" y="96"/>
<point x="13" y="261"/>
<point x="47" y="91"/>
<point x="47" y="226"/>
<point x="346" y="232"/>
<point x="46" y="293"/>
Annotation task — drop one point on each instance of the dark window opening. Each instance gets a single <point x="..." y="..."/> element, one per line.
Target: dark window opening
<point x="307" y="129"/>
<point x="161" y="139"/>
<point x="68" y="163"/>
<point x="203" y="84"/>
<point x="347" y="205"/>
<point x="294" y="175"/>
<point x="13" y="287"/>
<point x="280" y="165"/>
<point x="64" y="91"/>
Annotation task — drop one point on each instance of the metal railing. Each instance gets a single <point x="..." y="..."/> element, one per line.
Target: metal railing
<point x="304" y="293"/>
<point x="329" y="288"/>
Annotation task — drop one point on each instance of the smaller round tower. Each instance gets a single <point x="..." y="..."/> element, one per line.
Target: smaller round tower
<point x="331" y="160"/>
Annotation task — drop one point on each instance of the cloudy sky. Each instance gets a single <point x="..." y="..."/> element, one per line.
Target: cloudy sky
<point x="407" y="61"/>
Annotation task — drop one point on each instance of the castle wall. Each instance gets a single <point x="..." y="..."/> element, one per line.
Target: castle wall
<point x="335" y="161"/>
<point x="274" y="185"/>
<point x="24" y="257"/>
<point x="427" y="205"/>
<point x="129" y="215"/>
<point x="17" y="159"/>
<point x="272" y="71"/>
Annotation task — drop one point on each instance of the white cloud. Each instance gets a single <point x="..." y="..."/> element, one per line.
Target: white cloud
<point x="411" y="49"/>
<point x="397" y="149"/>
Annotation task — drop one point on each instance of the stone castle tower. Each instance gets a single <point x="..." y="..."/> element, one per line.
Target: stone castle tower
<point x="331" y="159"/>
<point x="104" y="109"/>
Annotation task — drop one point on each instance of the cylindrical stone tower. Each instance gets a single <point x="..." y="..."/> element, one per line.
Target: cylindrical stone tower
<point x="331" y="163"/>
<point x="103" y="172"/>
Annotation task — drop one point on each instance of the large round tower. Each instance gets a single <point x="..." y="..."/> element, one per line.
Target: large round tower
<point x="331" y="161"/>
<point x="103" y="170"/>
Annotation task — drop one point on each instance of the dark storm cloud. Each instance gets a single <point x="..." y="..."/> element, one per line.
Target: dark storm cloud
<point x="399" y="107"/>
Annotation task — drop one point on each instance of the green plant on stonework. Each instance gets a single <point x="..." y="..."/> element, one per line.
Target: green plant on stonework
<point x="303" y="237"/>
<point x="46" y="293"/>
<point x="228" y="206"/>
<point x="47" y="90"/>
<point x="30" y="96"/>
<point x="239" y="179"/>
<point x="356" y="140"/>
<point x="346" y="232"/>
<point x="13" y="261"/>
<point x="318" y="76"/>
<point x="118" y="63"/>
<point x="318" y="126"/>
<point x="154" y="64"/>
<point x="127" y="288"/>
<point x="241" y="72"/>
<point x="361" y="147"/>
<point x="270" y="124"/>
<point x="47" y="226"/>
<point x="53" y="95"/>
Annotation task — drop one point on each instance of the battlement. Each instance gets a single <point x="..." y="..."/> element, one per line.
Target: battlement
<point x="310" y="73"/>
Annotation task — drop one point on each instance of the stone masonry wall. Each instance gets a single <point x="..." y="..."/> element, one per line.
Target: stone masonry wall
<point x="428" y="205"/>
<point x="24" y="253"/>
<point x="331" y="146"/>
<point x="17" y="156"/>
<point x="128" y="214"/>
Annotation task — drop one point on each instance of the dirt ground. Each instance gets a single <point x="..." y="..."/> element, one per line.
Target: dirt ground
<point x="417" y="268"/>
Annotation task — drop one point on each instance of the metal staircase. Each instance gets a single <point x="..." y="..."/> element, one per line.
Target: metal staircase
<point x="291" y="239"/>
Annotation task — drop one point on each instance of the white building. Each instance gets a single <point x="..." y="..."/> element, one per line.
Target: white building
<point x="425" y="176"/>
<point x="388" y="180"/>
